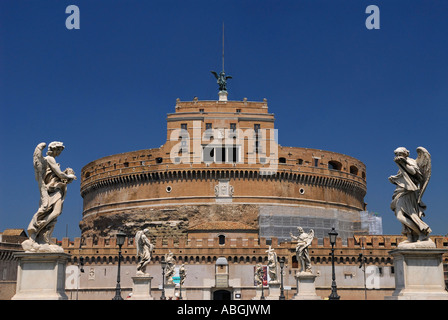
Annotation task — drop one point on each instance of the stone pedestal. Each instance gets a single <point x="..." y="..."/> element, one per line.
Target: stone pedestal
<point x="41" y="276"/>
<point x="306" y="289"/>
<point x="142" y="288"/>
<point x="274" y="291"/>
<point x="222" y="95"/>
<point x="170" y="289"/>
<point x="258" y="293"/>
<point x="418" y="274"/>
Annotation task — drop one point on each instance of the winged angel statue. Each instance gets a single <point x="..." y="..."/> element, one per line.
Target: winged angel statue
<point x="411" y="181"/>
<point x="221" y="80"/>
<point x="52" y="183"/>
<point x="304" y="240"/>
<point x="144" y="250"/>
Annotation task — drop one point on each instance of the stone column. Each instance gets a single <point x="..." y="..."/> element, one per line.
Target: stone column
<point x="274" y="291"/>
<point x="41" y="276"/>
<point x="142" y="288"/>
<point x="170" y="289"/>
<point x="306" y="289"/>
<point x="418" y="274"/>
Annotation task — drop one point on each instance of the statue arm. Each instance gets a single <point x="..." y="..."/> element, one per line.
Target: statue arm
<point x="55" y="168"/>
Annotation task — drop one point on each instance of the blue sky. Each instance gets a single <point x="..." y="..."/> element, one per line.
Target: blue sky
<point x="331" y="83"/>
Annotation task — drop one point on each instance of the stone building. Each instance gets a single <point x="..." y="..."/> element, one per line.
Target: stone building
<point x="221" y="161"/>
<point x="234" y="250"/>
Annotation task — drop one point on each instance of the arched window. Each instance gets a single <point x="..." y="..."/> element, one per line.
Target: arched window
<point x="354" y="170"/>
<point x="334" y="165"/>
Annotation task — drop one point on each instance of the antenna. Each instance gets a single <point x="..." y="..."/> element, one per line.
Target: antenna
<point x="223" y="46"/>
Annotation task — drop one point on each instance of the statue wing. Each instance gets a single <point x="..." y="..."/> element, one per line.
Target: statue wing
<point x="424" y="163"/>
<point x="228" y="77"/>
<point x="215" y="74"/>
<point x="39" y="161"/>
<point x="40" y="167"/>
<point x="138" y="243"/>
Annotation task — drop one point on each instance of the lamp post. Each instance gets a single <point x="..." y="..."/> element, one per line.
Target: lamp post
<point x="282" y="292"/>
<point x="262" y="283"/>
<point x="120" y="240"/>
<point x="362" y="264"/>
<point x="163" y="263"/>
<point x="334" y="295"/>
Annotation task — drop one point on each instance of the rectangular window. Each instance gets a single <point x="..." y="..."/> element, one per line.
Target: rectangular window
<point x="183" y="126"/>
<point x="208" y="126"/>
<point x="233" y="126"/>
<point x="316" y="162"/>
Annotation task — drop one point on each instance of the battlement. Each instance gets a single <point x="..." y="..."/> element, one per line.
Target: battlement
<point x="241" y="250"/>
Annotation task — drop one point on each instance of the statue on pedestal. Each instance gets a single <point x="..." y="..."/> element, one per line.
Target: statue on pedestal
<point x="144" y="250"/>
<point x="52" y="184"/>
<point x="302" y="253"/>
<point x="258" y="275"/>
<point x="272" y="265"/>
<point x="411" y="181"/>
<point x="170" y="267"/>
<point x="182" y="274"/>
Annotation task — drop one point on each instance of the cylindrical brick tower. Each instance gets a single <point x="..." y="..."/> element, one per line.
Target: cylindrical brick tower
<point x="221" y="162"/>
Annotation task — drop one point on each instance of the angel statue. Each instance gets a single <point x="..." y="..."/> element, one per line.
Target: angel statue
<point x="144" y="250"/>
<point x="222" y="80"/>
<point x="52" y="183"/>
<point x="272" y="265"/>
<point x="182" y="274"/>
<point x="258" y="275"/>
<point x="302" y="253"/>
<point x="170" y="267"/>
<point x="411" y="181"/>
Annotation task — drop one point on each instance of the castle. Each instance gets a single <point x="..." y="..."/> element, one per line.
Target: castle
<point x="218" y="194"/>
<point x="222" y="162"/>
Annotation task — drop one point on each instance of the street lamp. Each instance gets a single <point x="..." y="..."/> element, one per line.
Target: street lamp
<point x="282" y="292"/>
<point x="120" y="241"/>
<point x="362" y="264"/>
<point x="262" y="283"/>
<point x="163" y="263"/>
<point x="334" y="295"/>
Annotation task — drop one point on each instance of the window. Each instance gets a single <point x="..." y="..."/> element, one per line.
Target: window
<point x="201" y="110"/>
<point x="221" y="154"/>
<point x="208" y="126"/>
<point x="299" y="161"/>
<point x="238" y="110"/>
<point x="316" y="162"/>
<point x="354" y="170"/>
<point x="257" y="140"/>
<point x="233" y="126"/>
<point x="334" y="165"/>
<point x="183" y="126"/>
<point x="282" y="160"/>
<point x="221" y="239"/>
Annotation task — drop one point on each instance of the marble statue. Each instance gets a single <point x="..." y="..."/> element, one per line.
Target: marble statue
<point x="302" y="253"/>
<point x="144" y="250"/>
<point x="411" y="182"/>
<point x="170" y="267"/>
<point x="52" y="183"/>
<point x="258" y="275"/>
<point x="272" y="265"/>
<point x="182" y="274"/>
